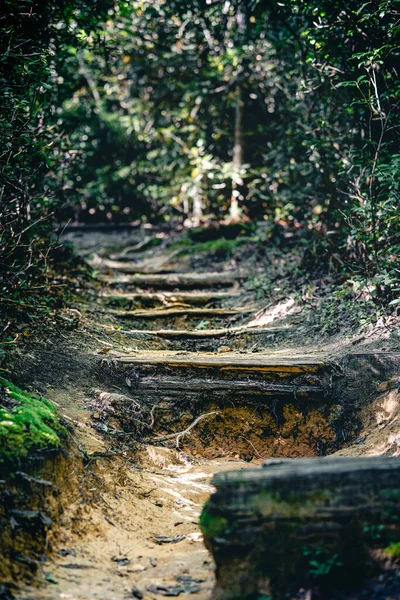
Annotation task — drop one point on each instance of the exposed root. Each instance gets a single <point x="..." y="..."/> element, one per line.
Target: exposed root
<point x="180" y="434"/>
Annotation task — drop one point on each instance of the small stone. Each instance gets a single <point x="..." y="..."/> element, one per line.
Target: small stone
<point x="384" y="386"/>
<point x="222" y="349"/>
<point x="136" y="568"/>
<point x="49" y="577"/>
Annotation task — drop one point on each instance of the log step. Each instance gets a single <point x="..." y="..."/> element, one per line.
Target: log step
<point x="163" y="313"/>
<point x="214" y="388"/>
<point x="300" y="523"/>
<point x="155" y="265"/>
<point x="174" y="280"/>
<point x="268" y="363"/>
<point x="245" y="405"/>
<point x="202" y="333"/>
<point x="149" y="299"/>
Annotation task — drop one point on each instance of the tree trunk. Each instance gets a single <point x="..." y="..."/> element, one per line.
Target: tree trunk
<point x="237" y="162"/>
<point x="197" y="205"/>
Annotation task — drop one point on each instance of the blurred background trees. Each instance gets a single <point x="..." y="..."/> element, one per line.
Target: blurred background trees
<point x="285" y="111"/>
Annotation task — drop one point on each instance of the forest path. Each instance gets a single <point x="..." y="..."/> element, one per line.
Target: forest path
<point x="189" y="365"/>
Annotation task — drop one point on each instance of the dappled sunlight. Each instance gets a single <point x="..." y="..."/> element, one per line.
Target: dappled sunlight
<point x="276" y="312"/>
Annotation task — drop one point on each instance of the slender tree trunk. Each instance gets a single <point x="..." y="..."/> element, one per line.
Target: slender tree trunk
<point x="234" y="211"/>
<point x="237" y="161"/>
<point x="197" y="206"/>
<point x="90" y="81"/>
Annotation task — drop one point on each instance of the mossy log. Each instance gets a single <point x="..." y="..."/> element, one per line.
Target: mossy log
<point x="300" y="523"/>
<point x="174" y="280"/>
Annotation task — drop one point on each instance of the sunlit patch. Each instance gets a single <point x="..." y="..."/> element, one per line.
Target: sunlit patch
<point x="275" y="313"/>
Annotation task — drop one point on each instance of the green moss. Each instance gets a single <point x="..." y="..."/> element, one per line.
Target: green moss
<point x="28" y="424"/>
<point x="211" y="525"/>
<point x="292" y="505"/>
<point x="393" y="550"/>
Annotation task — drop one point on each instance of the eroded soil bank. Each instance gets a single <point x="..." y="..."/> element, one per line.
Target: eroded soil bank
<point x="178" y="370"/>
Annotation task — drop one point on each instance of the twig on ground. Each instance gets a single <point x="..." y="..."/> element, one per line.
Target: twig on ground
<point x="251" y="444"/>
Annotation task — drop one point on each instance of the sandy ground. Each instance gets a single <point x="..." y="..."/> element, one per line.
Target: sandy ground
<point x="106" y="547"/>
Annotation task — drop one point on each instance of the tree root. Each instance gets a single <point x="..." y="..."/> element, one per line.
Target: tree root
<point x="180" y="434"/>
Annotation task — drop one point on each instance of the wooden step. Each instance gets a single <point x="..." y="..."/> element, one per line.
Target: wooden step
<point x="174" y="280"/>
<point x="168" y="298"/>
<point x="279" y="526"/>
<point x="269" y="363"/>
<point x="162" y="313"/>
<point x="201" y="333"/>
<point x="153" y="265"/>
<point x="215" y="388"/>
<point x="247" y="404"/>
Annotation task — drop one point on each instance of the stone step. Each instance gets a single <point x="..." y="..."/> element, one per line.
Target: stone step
<point x="301" y="523"/>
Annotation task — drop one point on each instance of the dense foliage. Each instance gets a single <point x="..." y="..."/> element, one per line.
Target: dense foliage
<point x="33" y="37"/>
<point x="285" y="111"/>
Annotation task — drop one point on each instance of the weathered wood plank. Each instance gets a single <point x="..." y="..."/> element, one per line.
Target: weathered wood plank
<point x="171" y="297"/>
<point x="232" y="361"/>
<point x="161" y="313"/>
<point x="202" y="333"/>
<point x="154" y="265"/>
<point x="194" y="386"/>
<point x="174" y="280"/>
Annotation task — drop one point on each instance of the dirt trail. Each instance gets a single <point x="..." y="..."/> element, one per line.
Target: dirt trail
<point x="107" y="549"/>
<point x="130" y="529"/>
<point x="130" y="526"/>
